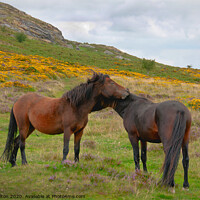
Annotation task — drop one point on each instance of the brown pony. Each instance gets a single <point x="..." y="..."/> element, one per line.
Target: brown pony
<point x="68" y="114"/>
<point x="167" y="122"/>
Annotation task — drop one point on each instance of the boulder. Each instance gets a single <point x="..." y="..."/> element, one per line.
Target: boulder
<point x="108" y="52"/>
<point x="21" y="22"/>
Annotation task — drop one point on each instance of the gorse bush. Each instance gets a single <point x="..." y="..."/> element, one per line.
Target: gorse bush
<point x="148" y="64"/>
<point x="21" y="37"/>
<point x="37" y="68"/>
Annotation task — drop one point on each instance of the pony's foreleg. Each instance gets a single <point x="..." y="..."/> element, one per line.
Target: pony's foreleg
<point x="15" y="150"/>
<point x="185" y="162"/>
<point x="67" y="134"/>
<point x="77" y="139"/>
<point x="134" y="142"/>
<point x="144" y="155"/>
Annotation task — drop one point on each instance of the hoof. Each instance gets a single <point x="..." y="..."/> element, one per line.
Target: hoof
<point x="63" y="161"/>
<point x="145" y="171"/>
<point x="76" y="160"/>
<point x="14" y="165"/>
<point x="172" y="190"/>
<point x="185" y="188"/>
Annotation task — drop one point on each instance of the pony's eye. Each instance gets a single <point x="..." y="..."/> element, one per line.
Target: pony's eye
<point x="112" y="83"/>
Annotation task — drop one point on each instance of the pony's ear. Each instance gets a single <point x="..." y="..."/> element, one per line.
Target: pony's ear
<point x="93" y="72"/>
<point x="95" y="77"/>
<point x="89" y="91"/>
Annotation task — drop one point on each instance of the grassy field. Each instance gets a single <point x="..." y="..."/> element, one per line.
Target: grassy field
<point x="106" y="168"/>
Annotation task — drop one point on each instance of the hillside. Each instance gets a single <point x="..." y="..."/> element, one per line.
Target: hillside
<point x="106" y="167"/>
<point x="46" y="40"/>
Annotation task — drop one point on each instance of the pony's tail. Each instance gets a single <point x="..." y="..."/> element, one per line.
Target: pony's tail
<point x="12" y="132"/>
<point x="173" y="150"/>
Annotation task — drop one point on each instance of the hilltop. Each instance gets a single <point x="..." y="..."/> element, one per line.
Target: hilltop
<point x="21" y="22"/>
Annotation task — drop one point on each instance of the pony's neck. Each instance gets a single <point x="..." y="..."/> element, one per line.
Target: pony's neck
<point x="120" y="106"/>
<point x="88" y="105"/>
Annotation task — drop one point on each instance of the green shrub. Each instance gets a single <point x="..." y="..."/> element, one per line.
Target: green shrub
<point x="21" y="37"/>
<point x="148" y="64"/>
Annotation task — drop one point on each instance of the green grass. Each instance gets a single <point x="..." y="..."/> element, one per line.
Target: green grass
<point x="89" y="56"/>
<point x="106" y="162"/>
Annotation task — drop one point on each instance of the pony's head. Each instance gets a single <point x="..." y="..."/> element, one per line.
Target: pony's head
<point x="112" y="90"/>
<point x="101" y="85"/>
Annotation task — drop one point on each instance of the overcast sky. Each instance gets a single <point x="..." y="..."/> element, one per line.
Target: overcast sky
<point x="165" y="30"/>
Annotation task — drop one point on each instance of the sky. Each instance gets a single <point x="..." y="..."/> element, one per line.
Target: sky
<point x="165" y="30"/>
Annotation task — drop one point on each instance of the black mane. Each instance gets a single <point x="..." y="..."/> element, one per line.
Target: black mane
<point x="83" y="92"/>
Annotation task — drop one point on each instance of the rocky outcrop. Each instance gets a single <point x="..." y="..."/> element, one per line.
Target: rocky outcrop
<point x="22" y="22"/>
<point x="108" y="52"/>
<point x="87" y="46"/>
<point x="121" y="57"/>
<point x="34" y="28"/>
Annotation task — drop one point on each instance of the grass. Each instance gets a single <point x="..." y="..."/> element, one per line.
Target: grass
<point x="106" y="168"/>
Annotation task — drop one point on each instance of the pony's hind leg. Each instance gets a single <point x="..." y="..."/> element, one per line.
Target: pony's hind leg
<point x="22" y="148"/>
<point x="144" y="154"/>
<point x="24" y="133"/>
<point x="185" y="162"/>
<point x="14" y="152"/>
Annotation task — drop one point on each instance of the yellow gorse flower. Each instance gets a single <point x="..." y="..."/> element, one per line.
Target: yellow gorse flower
<point x="17" y="70"/>
<point x="194" y="103"/>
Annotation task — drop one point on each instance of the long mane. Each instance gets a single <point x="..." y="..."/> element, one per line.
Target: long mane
<point x="83" y="92"/>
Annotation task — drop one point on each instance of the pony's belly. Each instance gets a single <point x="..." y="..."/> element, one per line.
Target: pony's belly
<point x="154" y="140"/>
<point x="152" y="137"/>
<point x="51" y="127"/>
<point x="50" y="131"/>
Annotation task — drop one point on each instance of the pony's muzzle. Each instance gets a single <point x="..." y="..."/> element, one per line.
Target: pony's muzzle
<point x="125" y="94"/>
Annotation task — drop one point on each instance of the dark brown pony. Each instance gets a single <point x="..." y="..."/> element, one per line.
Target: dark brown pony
<point x="68" y="114"/>
<point x="167" y="122"/>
